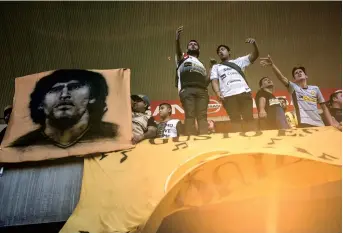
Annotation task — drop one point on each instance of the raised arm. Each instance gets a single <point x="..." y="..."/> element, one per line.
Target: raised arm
<point x="255" y="53"/>
<point x="178" y="47"/>
<point x="267" y="61"/>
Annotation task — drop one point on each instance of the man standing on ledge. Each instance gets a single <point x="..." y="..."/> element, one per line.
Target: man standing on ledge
<point x="192" y="82"/>
<point x="230" y="85"/>
<point x="305" y="97"/>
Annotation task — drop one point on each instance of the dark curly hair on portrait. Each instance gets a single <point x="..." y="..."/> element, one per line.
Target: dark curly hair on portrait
<point x="96" y="82"/>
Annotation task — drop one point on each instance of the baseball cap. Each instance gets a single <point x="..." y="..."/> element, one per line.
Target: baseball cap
<point x="141" y="97"/>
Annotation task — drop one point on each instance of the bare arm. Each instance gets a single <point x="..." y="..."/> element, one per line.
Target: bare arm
<point x="214" y="82"/>
<point x="178" y="47"/>
<point x="262" y="107"/>
<point x="215" y="87"/>
<point x="330" y="120"/>
<point x="151" y="133"/>
<point x="267" y="61"/>
<point x="255" y="52"/>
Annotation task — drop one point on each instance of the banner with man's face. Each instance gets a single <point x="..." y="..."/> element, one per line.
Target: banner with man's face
<point x="68" y="113"/>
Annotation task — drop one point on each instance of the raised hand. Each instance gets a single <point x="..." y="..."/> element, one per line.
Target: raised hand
<point x="250" y="41"/>
<point x="266" y="61"/>
<point x="178" y="32"/>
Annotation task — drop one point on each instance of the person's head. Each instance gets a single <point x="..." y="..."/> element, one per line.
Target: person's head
<point x="64" y="96"/>
<point x="283" y="103"/>
<point x="336" y="99"/>
<point x="265" y="82"/>
<point x="193" y="48"/>
<point x="299" y="73"/>
<point x="141" y="103"/>
<point x="165" y="110"/>
<point x="223" y="51"/>
<point x="7" y="113"/>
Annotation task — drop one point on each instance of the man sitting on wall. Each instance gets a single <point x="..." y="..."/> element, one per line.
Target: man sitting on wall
<point x="143" y="124"/>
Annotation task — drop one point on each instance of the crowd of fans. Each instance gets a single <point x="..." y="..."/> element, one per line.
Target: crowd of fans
<point x="231" y="87"/>
<point x="228" y="81"/>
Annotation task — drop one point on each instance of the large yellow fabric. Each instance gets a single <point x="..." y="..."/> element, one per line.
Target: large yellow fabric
<point x="138" y="189"/>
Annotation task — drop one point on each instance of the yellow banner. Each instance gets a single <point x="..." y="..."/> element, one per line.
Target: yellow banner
<point x="139" y="189"/>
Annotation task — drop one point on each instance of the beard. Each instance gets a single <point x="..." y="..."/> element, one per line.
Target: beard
<point x="64" y="123"/>
<point x="195" y="53"/>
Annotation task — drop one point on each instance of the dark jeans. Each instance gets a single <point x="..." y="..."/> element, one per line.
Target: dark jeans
<point x="194" y="101"/>
<point x="238" y="106"/>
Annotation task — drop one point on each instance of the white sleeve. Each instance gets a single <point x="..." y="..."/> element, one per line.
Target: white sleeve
<point x="291" y="87"/>
<point x="242" y="61"/>
<point x="214" y="72"/>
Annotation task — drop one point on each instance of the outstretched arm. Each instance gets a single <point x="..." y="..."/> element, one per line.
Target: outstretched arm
<point x="255" y="53"/>
<point x="178" y="47"/>
<point x="267" y="61"/>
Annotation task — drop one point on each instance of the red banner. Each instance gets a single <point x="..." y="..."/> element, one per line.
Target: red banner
<point x="216" y="109"/>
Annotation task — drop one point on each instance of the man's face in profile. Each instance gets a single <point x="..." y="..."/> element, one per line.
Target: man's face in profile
<point x="67" y="100"/>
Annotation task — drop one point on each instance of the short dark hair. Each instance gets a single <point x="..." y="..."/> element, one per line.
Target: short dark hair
<point x="296" y="68"/>
<point x="261" y="80"/>
<point x="195" y="42"/>
<point x="223" y="45"/>
<point x="96" y="82"/>
<point x="166" y="104"/>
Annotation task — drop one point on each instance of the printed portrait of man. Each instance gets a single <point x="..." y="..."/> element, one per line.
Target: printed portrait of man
<point x="68" y="105"/>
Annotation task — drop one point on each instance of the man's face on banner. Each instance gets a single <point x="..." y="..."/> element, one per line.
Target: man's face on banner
<point x="67" y="100"/>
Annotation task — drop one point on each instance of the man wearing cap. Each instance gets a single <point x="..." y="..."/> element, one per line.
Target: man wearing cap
<point x="305" y="97"/>
<point x="335" y="103"/>
<point x="192" y="82"/>
<point x="143" y="124"/>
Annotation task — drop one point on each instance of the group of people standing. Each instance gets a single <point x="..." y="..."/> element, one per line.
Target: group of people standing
<point x="231" y="87"/>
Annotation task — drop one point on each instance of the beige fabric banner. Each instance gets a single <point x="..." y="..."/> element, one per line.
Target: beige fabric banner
<point x="139" y="189"/>
<point x="68" y="113"/>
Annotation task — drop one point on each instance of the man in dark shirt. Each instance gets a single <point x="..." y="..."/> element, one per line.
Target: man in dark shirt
<point x="270" y="113"/>
<point x="336" y="105"/>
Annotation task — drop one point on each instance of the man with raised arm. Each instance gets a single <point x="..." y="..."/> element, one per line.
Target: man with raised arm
<point x="230" y="85"/>
<point x="305" y="97"/>
<point x="192" y="82"/>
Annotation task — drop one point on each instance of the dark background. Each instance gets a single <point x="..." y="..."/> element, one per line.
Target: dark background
<point x="41" y="36"/>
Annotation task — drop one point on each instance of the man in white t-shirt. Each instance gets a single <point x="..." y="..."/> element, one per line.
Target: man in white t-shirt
<point x="229" y="84"/>
<point x="305" y="97"/>
<point x="168" y="127"/>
